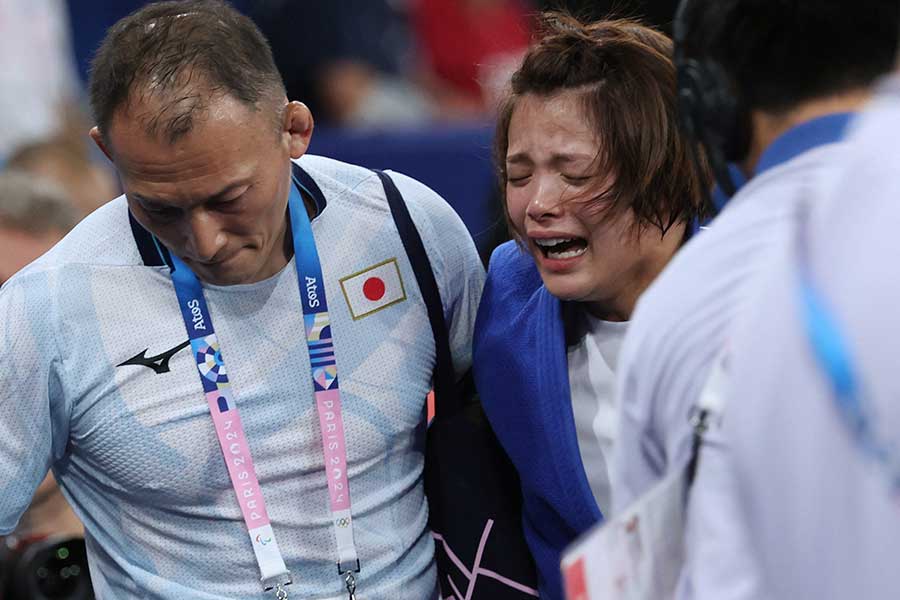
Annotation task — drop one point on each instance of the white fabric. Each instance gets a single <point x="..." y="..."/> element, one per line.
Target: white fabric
<point x="136" y="452"/>
<point x="638" y="553"/>
<point x="816" y="517"/>
<point x="592" y="364"/>
<point x="683" y="320"/>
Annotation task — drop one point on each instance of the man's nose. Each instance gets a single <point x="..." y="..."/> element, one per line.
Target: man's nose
<point x="205" y="237"/>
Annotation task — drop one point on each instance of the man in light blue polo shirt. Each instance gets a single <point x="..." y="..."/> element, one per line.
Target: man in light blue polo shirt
<point x="785" y="79"/>
<point x="813" y="445"/>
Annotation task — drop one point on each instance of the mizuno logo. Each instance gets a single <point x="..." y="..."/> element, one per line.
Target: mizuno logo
<point x="159" y="363"/>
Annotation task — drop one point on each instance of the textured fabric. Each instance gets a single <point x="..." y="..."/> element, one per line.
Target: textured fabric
<point x="683" y="320"/>
<point x="818" y="516"/>
<point x="519" y="356"/>
<point x="592" y="360"/>
<point x="136" y="452"/>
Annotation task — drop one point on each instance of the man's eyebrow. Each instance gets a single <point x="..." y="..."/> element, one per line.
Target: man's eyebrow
<point x="214" y="198"/>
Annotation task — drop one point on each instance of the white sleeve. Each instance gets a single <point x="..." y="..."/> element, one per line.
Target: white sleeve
<point x="28" y="360"/>
<point x="454" y="259"/>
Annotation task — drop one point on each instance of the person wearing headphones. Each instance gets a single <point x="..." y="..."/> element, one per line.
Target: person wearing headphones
<point x="772" y="87"/>
<point x="813" y="417"/>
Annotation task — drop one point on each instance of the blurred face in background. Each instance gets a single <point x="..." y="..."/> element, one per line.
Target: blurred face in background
<point x="22" y="247"/>
<point x="554" y="203"/>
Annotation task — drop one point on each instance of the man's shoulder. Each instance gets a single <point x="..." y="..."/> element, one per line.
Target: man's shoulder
<point x="694" y="299"/>
<point x="343" y="182"/>
<point x="724" y="253"/>
<point x="334" y="174"/>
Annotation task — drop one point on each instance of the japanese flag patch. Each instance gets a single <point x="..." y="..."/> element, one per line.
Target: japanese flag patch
<point x="373" y="289"/>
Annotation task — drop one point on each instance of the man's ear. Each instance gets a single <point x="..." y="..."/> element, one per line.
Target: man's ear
<point x="298" y="123"/>
<point x="98" y="139"/>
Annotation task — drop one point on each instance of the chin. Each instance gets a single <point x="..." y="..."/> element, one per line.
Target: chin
<point x="565" y="290"/>
<point x="226" y="276"/>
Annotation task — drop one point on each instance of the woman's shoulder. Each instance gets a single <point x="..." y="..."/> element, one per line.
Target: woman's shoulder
<point x="511" y="300"/>
<point x="512" y="271"/>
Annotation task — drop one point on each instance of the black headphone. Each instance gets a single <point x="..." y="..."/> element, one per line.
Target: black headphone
<point x="710" y="111"/>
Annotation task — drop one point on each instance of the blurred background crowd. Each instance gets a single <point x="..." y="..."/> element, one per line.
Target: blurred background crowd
<point x="405" y="84"/>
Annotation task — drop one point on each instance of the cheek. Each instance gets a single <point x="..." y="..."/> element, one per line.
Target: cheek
<point x="612" y="239"/>
<point x="516" y="206"/>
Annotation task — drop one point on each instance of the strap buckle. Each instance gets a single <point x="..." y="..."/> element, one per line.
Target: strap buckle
<point x="277" y="584"/>
<point x="699" y="420"/>
<point x="349" y="578"/>
<point x="342" y="570"/>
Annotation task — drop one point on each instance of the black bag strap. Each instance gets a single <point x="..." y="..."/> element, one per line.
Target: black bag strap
<point x="707" y="410"/>
<point x="444" y="374"/>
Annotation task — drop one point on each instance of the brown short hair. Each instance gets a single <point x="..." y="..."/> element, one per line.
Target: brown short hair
<point x="627" y="77"/>
<point x="168" y="46"/>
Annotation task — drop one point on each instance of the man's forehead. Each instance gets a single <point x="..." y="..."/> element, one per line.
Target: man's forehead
<point x="167" y="115"/>
<point x="168" y="103"/>
<point x="220" y="125"/>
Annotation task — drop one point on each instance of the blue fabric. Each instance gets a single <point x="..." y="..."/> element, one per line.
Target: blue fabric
<point x="801" y="138"/>
<point x="521" y="371"/>
<point x="720" y="198"/>
<point x="795" y="141"/>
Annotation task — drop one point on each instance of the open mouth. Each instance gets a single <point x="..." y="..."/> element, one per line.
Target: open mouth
<point x="561" y="248"/>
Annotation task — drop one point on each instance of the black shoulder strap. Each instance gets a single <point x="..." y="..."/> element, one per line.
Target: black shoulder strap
<point x="444" y="378"/>
<point x="153" y="254"/>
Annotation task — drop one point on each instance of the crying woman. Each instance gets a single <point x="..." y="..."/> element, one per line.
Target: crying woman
<point x="600" y="191"/>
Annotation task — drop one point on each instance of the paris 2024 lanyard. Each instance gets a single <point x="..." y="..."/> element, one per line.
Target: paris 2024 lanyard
<point x="223" y="408"/>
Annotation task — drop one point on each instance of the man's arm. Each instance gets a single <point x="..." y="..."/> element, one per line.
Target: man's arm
<point x="28" y="361"/>
<point x="454" y="260"/>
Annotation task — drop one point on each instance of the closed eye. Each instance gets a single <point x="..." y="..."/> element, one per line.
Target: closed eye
<point x="577" y="180"/>
<point x="163" y="213"/>
<point x="228" y="205"/>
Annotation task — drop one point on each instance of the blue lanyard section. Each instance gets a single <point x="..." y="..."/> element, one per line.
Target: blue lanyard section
<point x="832" y="352"/>
<point x="198" y="321"/>
<point x="193" y="305"/>
<point x="309" y="269"/>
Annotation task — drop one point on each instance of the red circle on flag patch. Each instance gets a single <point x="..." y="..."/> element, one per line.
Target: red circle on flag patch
<point x="373" y="289"/>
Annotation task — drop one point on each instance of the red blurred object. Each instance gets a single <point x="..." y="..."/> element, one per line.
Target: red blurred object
<point x="462" y="38"/>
